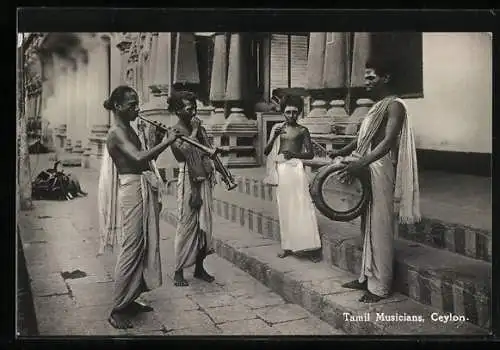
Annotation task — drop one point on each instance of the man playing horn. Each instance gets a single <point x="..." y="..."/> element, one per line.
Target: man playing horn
<point x="385" y="146"/>
<point x="290" y="142"/>
<point x="193" y="237"/>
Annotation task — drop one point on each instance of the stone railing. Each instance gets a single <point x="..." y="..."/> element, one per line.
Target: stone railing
<point x="237" y="135"/>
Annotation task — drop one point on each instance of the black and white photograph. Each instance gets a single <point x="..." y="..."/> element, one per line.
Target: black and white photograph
<point x="254" y="183"/>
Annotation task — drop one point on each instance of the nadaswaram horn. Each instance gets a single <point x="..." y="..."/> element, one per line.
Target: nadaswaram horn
<point x="210" y="151"/>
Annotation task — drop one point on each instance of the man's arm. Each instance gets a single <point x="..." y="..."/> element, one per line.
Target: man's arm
<point x="274" y="134"/>
<point x="121" y="141"/>
<point x="395" y="118"/>
<point x="344" y="151"/>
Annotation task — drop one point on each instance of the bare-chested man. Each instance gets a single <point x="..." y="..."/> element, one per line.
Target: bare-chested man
<point x="385" y="146"/>
<point x="290" y="142"/>
<point x="138" y="268"/>
<point x="193" y="238"/>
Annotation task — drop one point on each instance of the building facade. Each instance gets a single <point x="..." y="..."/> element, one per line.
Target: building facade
<point x="445" y="78"/>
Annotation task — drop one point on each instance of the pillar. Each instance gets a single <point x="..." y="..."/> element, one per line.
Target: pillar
<point x="116" y="63"/>
<point x="24" y="174"/>
<point x="160" y="77"/>
<point x="62" y="106"/>
<point x="219" y="79"/>
<point x="241" y="132"/>
<point x="100" y="83"/>
<point x="72" y="116"/>
<point x="360" y="55"/>
<point x="186" y="63"/>
<point x="124" y="48"/>
<point x="316" y="60"/>
<point x="327" y="68"/>
<point x="160" y="71"/>
<point x="335" y="61"/>
<point x="80" y="112"/>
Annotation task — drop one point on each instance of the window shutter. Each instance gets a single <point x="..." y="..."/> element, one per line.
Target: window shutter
<point x="279" y="61"/>
<point x="299" y="45"/>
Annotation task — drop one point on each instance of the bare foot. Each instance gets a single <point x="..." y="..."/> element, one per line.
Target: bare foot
<point x="355" y="285"/>
<point x="179" y="280"/>
<point x="137" y="307"/>
<point x="369" y="297"/>
<point x="315" y="257"/>
<point x="284" y="254"/>
<point x="119" y="321"/>
<point x="202" y="274"/>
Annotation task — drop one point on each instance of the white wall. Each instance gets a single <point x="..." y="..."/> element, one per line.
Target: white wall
<point x="456" y="111"/>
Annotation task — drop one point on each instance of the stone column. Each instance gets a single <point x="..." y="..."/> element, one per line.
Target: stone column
<point x="239" y="129"/>
<point x="160" y="70"/>
<point x="235" y="78"/>
<point x="360" y="55"/>
<point x="100" y="116"/>
<point x="80" y="111"/>
<point x="160" y="76"/>
<point x="124" y="48"/>
<point x="326" y="69"/>
<point x="219" y="80"/>
<point x="72" y="116"/>
<point x="24" y="173"/>
<point x="62" y="110"/>
<point x="362" y="48"/>
<point x="186" y="62"/>
<point x="316" y="60"/>
<point x="335" y="62"/>
<point x="116" y="63"/>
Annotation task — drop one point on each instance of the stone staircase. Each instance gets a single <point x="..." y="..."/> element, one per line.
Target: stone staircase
<point x="446" y="280"/>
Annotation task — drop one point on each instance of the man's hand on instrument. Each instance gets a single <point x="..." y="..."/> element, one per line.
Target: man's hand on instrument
<point x="159" y="134"/>
<point x="141" y="125"/>
<point x="333" y="153"/>
<point x="351" y="169"/>
<point x="171" y="135"/>
<point x="288" y="155"/>
<point x="195" y="123"/>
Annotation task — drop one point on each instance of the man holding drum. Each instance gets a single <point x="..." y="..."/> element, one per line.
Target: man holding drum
<point x="385" y="146"/>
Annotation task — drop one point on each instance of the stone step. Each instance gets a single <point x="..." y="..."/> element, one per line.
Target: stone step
<point x="465" y="240"/>
<point x="444" y="280"/>
<point x="317" y="286"/>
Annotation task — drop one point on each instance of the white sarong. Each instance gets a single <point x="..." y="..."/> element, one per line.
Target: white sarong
<point x="297" y="215"/>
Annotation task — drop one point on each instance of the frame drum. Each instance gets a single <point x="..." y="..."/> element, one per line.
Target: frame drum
<point x="339" y="201"/>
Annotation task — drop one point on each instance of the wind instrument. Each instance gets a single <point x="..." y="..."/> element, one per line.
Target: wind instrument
<point x="227" y="177"/>
<point x="212" y="152"/>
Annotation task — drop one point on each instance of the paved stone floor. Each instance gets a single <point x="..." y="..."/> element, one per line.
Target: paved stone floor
<point x="62" y="237"/>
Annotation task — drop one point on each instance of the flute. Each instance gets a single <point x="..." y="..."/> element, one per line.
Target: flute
<point x="211" y="152"/>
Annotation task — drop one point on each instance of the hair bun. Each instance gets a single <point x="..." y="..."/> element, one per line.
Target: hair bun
<point x="108" y="105"/>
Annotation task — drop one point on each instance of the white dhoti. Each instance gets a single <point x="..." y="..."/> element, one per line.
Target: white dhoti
<point x="379" y="229"/>
<point x="297" y="215"/>
<point x="394" y="180"/>
<point x="138" y="268"/>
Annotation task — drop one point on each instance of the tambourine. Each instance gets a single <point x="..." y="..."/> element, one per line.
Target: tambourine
<point x="340" y="201"/>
